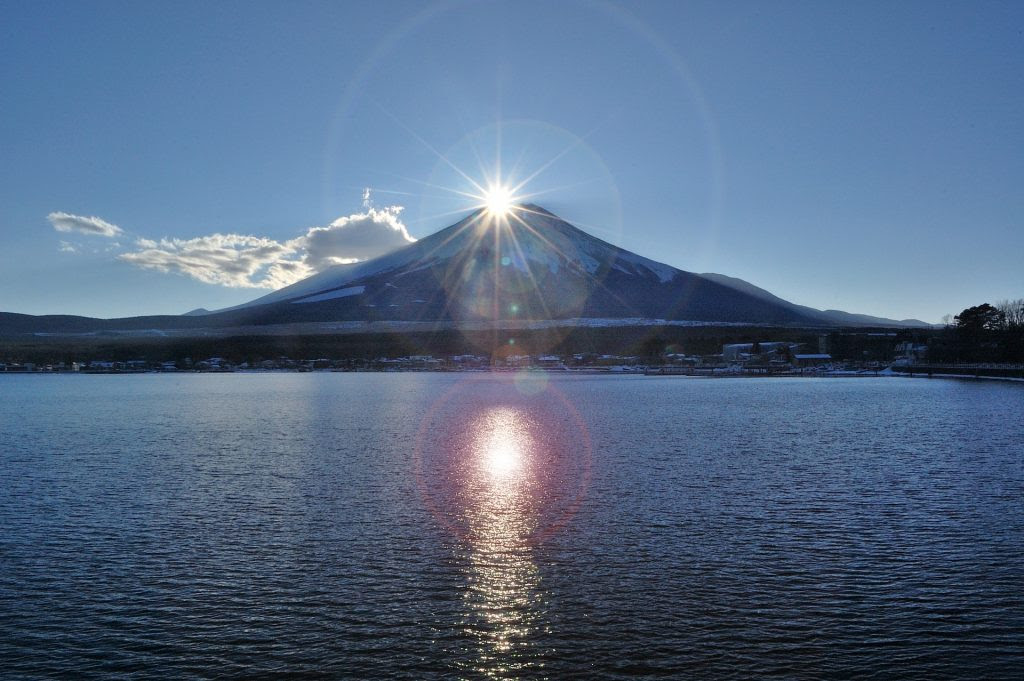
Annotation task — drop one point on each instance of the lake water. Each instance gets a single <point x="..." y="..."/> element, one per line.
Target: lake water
<point x="451" y="525"/>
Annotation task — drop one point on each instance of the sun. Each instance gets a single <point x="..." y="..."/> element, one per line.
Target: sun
<point x="498" y="200"/>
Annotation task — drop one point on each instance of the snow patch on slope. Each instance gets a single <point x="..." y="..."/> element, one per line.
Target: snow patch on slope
<point x="330" y="295"/>
<point x="664" y="273"/>
<point x="550" y="237"/>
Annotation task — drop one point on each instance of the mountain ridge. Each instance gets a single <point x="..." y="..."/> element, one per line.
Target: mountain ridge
<point x="529" y="265"/>
<point x="837" y="316"/>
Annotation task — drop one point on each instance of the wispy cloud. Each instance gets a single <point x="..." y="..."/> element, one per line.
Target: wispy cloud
<point x="66" y="222"/>
<point x="234" y="260"/>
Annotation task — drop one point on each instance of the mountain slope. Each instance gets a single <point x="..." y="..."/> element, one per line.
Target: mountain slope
<point x="531" y="266"/>
<point x="536" y="238"/>
<point x="827" y="316"/>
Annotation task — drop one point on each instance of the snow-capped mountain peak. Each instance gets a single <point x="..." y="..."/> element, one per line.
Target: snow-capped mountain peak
<point x="529" y="238"/>
<point x="528" y="264"/>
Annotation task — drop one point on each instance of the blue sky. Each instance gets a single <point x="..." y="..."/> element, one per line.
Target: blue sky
<point x="860" y="156"/>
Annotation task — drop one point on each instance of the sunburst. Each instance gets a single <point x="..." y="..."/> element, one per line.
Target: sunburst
<point x="499" y="200"/>
<point x="502" y="221"/>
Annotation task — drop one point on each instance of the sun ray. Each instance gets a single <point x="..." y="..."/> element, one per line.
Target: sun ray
<point x="551" y="190"/>
<point x="577" y="223"/>
<point x="456" y="233"/>
<point x="498" y="138"/>
<point x="529" y="271"/>
<point x="579" y="141"/>
<point x="452" y="282"/>
<point x="395" y="192"/>
<point x="555" y="248"/>
<point x="537" y="234"/>
<point x="430" y="147"/>
<point x="460" y="211"/>
<point x="596" y="279"/>
<point x="496" y="197"/>
<point x="516" y="168"/>
<point x="532" y="176"/>
<point x="452" y="190"/>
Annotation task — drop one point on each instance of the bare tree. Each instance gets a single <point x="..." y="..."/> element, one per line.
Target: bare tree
<point x="1013" y="312"/>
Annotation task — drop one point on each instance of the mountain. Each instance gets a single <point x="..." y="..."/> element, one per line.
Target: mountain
<point x="835" y="317"/>
<point x="526" y="267"/>
<point x="530" y="265"/>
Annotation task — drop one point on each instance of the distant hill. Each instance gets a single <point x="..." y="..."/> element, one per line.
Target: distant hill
<point x="836" y="317"/>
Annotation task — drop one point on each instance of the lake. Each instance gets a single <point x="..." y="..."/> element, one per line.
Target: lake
<point x="420" y="525"/>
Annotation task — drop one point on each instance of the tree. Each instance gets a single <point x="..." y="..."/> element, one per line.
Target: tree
<point x="652" y="349"/>
<point x="1013" y="312"/>
<point x="982" y="317"/>
<point x="977" y="333"/>
<point x="1012" y="345"/>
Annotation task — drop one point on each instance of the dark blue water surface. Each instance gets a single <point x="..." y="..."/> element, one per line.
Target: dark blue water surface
<point x="444" y="526"/>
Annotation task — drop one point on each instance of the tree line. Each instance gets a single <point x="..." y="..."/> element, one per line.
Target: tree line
<point x="982" y="333"/>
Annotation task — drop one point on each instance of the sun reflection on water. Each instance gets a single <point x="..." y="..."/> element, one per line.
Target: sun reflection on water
<point x="501" y="455"/>
<point x="503" y="596"/>
<point x="502" y="468"/>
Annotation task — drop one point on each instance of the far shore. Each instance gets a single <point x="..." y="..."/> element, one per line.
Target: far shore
<point x="662" y="372"/>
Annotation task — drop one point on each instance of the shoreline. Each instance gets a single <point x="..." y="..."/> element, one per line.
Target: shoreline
<point x="884" y="373"/>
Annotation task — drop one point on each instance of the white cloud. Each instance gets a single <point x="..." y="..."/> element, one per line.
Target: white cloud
<point x="356" y="237"/>
<point x="238" y="260"/>
<point x="66" y="222"/>
<point x="234" y="260"/>
<point x="66" y="247"/>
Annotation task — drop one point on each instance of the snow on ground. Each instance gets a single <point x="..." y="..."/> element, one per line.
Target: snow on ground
<point x="514" y="324"/>
<point x="330" y="295"/>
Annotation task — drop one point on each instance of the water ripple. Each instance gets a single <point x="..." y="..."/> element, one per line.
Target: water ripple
<point x="429" y="526"/>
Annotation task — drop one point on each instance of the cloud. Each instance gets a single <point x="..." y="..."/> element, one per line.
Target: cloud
<point x="356" y="237"/>
<point x="66" y="222"/>
<point x="66" y="247"/>
<point x="238" y="260"/>
<point x="233" y="260"/>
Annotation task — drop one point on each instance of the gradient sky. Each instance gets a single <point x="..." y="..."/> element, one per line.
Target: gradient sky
<point x="860" y="156"/>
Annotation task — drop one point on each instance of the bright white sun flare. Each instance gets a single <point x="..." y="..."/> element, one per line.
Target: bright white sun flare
<point x="498" y="200"/>
<point x="503" y="458"/>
